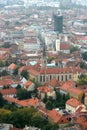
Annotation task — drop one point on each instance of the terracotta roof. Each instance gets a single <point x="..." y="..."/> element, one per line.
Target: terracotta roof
<point x="33" y="72"/>
<point x="25" y="68"/>
<point x="82" y="121"/>
<point x="73" y="102"/>
<point x="6" y="77"/>
<point x="78" y="70"/>
<point x="64" y="46"/>
<point x="11" y="100"/>
<point x="68" y="84"/>
<point x="28" y="83"/>
<point x="9" y="91"/>
<point x="54" y="82"/>
<point x="12" y="66"/>
<point x="2" y="57"/>
<point x="44" y="89"/>
<point x="29" y="102"/>
<point x="56" y="117"/>
<point x="6" y="82"/>
<point x="55" y="70"/>
<point x="75" y="91"/>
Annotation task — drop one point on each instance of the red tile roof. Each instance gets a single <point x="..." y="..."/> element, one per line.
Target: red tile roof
<point x="9" y="91"/>
<point x="6" y="82"/>
<point x="24" y="103"/>
<point x="25" y="68"/>
<point x="28" y="83"/>
<point x="55" y="70"/>
<point x="82" y="121"/>
<point x="64" y="46"/>
<point x="73" y="102"/>
<point x="54" y="82"/>
<point x="57" y="117"/>
<point x="44" y="89"/>
<point x="68" y="84"/>
<point x="33" y="72"/>
<point x="12" y="66"/>
<point x="11" y="100"/>
<point x="29" y="102"/>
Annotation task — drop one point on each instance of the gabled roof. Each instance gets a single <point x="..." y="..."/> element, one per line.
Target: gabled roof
<point x="12" y="66"/>
<point x="68" y="84"/>
<point x="64" y="46"/>
<point x="44" y="89"/>
<point x="33" y="72"/>
<point x="28" y="83"/>
<point x="56" y="117"/>
<point x="29" y="102"/>
<point x="73" y="102"/>
<point x="9" y="91"/>
<point x="54" y="82"/>
<point x="6" y="82"/>
<point x="69" y="87"/>
<point x="55" y="70"/>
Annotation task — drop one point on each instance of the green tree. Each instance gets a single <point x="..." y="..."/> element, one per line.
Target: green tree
<point x="84" y="56"/>
<point x="4" y="73"/>
<point x="25" y="74"/>
<point x="49" y="105"/>
<point x="73" y="49"/>
<point x="49" y="59"/>
<point x="1" y="63"/>
<point x="6" y="45"/>
<point x="22" y="117"/>
<point x="1" y="100"/>
<point x="15" y="71"/>
<point x="83" y="65"/>
<point x="37" y="120"/>
<point x="4" y="114"/>
<point x="23" y="94"/>
<point x="82" y="80"/>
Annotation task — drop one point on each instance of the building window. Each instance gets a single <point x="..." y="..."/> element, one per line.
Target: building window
<point x="40" y="78"/>
<point x="66" y="77"/>
<point x="43" y="78"/>
<point x="58" y="78"/>
<point x="61" y="77"/>
<point x="50" y="77"/>
<point x="69" y="76"/>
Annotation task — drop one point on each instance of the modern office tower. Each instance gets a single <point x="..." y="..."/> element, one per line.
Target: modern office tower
<point x="58" y="22"/>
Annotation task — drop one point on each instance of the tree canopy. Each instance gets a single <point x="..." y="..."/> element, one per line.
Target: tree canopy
<point x="82" y="79"/>
<point x="84" y="56"/>
<point x="23" y="94"/>
<point x="25" y="74"/>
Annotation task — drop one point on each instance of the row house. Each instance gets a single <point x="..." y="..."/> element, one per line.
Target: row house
<point x="57" y="117"/>
<point x="11" y="92"/>
<point x="70" y="87"/>
<point x="29" y="85"/>
<point x="11" y="68"/>
<point x="32" y="102"/>
<point x="44" y="91"/>
<point x="73" y="105"/>
<point x="9" y="83"/>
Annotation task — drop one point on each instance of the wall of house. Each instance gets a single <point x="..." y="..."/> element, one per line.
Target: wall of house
<point x="61" y="77"/>
<point x="31" y="87"/>
<point x="70" y="108"/>
<point x="51" y="94"/>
